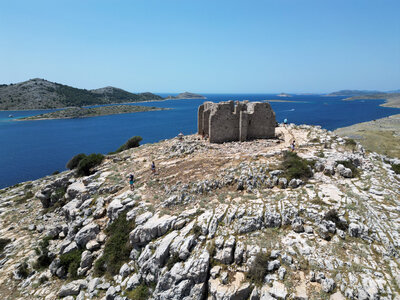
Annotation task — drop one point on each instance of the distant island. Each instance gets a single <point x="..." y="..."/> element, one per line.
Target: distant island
<point x="350" y="93"/>
<point x="284" y="95"/>
<point x="186" y="95"/>
<point x="79" y="112"/>
<point x="42" y="94"/>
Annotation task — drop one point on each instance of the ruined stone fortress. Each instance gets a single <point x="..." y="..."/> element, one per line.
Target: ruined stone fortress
<point x="239" y="121"/>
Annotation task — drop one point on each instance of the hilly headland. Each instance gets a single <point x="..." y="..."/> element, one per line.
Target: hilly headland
<point x="238" y="220"/>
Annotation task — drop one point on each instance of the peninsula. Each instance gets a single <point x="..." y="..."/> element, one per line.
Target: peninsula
<point x="186" y="95"/>
<point x="391" y="99"/>
<point x="80" y="112"/>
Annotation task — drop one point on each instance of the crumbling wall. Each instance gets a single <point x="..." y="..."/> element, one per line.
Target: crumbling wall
<point x="227" y="121"/>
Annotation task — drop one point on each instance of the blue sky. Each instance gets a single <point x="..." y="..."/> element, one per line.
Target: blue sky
<point x="214" y="46"/>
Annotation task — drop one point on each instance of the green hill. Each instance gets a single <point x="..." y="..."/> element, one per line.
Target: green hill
<point x="42" y="94"/>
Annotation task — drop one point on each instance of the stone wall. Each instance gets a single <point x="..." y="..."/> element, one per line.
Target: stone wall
<point x="240" y="121"/>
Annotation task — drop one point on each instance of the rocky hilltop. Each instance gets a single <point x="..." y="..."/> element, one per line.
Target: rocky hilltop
<point x="42" y="94"/>
<point x="239" y="220"/>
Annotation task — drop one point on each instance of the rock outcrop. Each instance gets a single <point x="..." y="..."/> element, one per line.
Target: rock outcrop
<point x="218" y="221"/>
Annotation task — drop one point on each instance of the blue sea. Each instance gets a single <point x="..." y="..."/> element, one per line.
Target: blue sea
<point x="33" y="149"/>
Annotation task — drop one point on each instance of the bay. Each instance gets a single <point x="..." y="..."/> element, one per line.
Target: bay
<point x="33" y="149"/>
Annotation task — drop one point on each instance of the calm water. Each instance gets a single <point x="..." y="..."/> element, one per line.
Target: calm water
<point x="33" y="149"/>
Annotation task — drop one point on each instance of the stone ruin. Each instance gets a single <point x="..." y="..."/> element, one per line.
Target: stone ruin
<point x="240" y="121"/>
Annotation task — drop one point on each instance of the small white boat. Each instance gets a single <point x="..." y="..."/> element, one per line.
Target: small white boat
<point x="10" y="116"/>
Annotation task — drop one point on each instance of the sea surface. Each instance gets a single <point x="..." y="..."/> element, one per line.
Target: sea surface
<point x="33" y="149"/>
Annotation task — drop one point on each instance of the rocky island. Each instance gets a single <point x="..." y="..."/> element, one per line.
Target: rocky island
<point x="185" y="95"/>
<point x="235" y="220"/>
<point x="42" y="94"/>
<point x="81" y="112"/>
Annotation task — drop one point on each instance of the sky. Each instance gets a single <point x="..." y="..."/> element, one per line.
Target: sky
<point x="207" y="46"/>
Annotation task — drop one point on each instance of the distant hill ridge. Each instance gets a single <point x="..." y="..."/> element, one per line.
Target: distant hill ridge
<point x="42" y="94"/>
<point x="186" y="95"/>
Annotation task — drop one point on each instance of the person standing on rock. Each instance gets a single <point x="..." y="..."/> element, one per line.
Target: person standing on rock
<point x="131" y="181"/>
<point x="293" y="145"/>
<point x="285" y="122"/>
<point x="153" y="167"/>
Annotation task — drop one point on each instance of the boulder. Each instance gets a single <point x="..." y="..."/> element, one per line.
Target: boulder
<point x="154" y="227"/>
<point x="86" y="234"/>
<point x="72" y="288"/>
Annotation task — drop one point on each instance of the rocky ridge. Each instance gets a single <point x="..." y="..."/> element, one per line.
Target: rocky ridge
<point x="217" y="221"/>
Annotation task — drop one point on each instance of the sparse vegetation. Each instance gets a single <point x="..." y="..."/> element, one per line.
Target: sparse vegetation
<point x="139" y="293"/>
<point x="3" y="244"/>
<point x="74" y="162"/>
<point x="332" y="215"/>
<point x="295" y="167"/>
<point x="86" y="165"/>
<point x="117" y="247"/>
<point x="133" y="142"/>
<point x="396" y="168"/>
<point x="70" y="261"/>
<point x="23" y="270"/>
<point x="258" y="269"/>
<point x="348" y="164"/>
<point x="43" y="260"/>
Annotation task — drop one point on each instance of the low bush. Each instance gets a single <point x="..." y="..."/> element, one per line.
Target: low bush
<point x="295" y="167"/>
<point x="23" y="270"/>
<point x="43" y="260"/>
<point x="73" y="162"/>
<point x="133" y="142"/>
<point x="348" y="164"/>
<point x="396" y="168"/>
<point x="258" y="269"/>
<point x="88" y="163"/>
<point x="139" y="293"/>
<point x="3" y="244"/>
<point x="117" y="247"/>
<point x="71" y="261"/>
<point x="332" y="215"/>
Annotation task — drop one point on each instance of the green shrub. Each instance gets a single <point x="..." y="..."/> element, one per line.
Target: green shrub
<point x="350" y="142"/>
<point x="55" y="172"/>
<point x="73" y="162"/>
<point x="258" y="268"/>
<point x="89" y="162"/>
<point x="139" y="293"/>
<point x="3" y="244"/>
<point x="23" y="270"/>
<point x="43" y="260"/>
<point x="117" y="247"/>
<point x="396" y="168"/>
<point x="348" y="164"/>
<point x="70" y="261"/>
<point x="133" y="142"/>
<point x="58" y="194"/>
<point x="332" y="215"/>
<point x="295" y="167"/>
